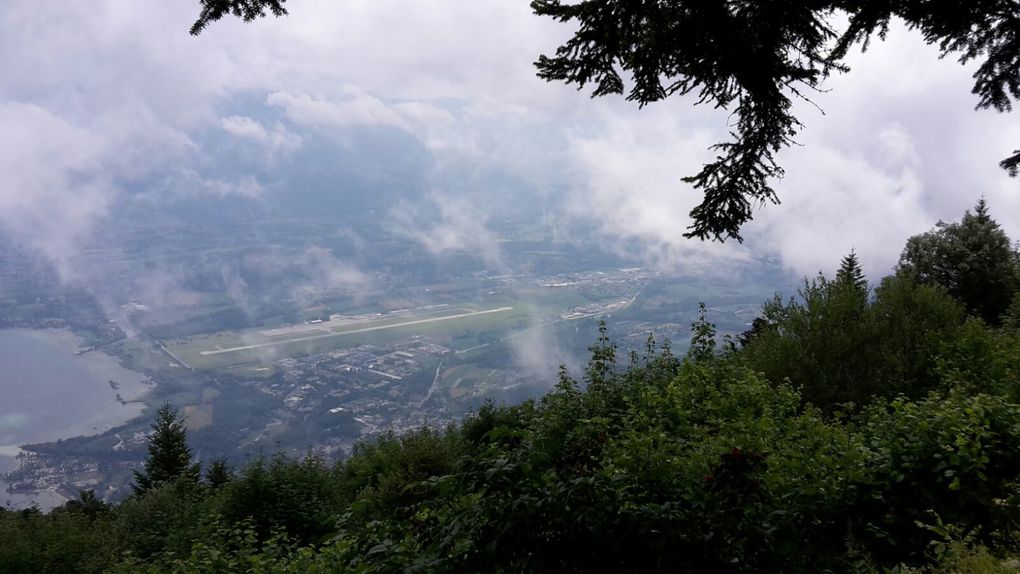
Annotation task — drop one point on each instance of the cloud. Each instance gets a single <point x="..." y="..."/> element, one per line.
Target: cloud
<point x="247" y="187"/>
<point x="358" y="109"/>
<point x="327" y="274"/>
<point x="435" y="128"/>
<point x="277" y="140"/>
<point x="445" y="224"/>
<point x="898" y="148"/>
<point x="183" y="183"/>
<point x="536" y="350"/>
<point x="835" y="200"/>
<point x="100" y="99"/>
<point x="630" y="186"/>
<point x="54" y="187"/>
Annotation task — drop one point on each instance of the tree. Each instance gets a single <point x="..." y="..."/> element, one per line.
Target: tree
<point x="702" y="337"/>
<point x="750" y="56"/>
<point x="1011" y="318"/>
<point x="219" y="474"/>
<point x="836" y="345"/>
<point x="972" y="260"/>
<point x="850" y="279"/>
<point x="87" y="504"/>
<point x="169" y="455"/>
<point x="248" y="10"/>
<point x="850" y="273"/>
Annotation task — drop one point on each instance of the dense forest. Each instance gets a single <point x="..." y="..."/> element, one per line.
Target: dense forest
<point x="852" y="428"/>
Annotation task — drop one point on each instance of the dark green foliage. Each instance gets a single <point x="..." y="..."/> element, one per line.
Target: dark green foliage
<point x="852" y="432"/>
<point x="949" y="458"/>
<point x="65" y="541"/>
<point x="981" y="360"/>
<point x="218" y="474"/>
<point x="296" y="497"/>
<point x="1011" y="164"/>
<point x="248" y="10"/>
<point x="837" y="346"/>
<point x="905" y="329"/>
<point x="380" y="475"/>
<point x="169" y="455"/>
<point x="1011" y="318"/>
<point x="973" y="260"/>
<point x="87" y="504"/>
<point x="702" y="337"/>
<point x="164" y="520"/>
<point x="602" y="364"/>
<point x="851" y="275"/>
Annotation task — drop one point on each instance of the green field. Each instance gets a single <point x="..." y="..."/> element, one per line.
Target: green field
<point x="456" y="325"/>
<point x="231" y="349"/>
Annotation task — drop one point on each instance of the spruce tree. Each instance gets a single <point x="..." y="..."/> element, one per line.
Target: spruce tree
<point x="169" y="455"/>
<point x="219" y="474"/>
<point x="850" y="272"/>
<point x="972" y="260"/>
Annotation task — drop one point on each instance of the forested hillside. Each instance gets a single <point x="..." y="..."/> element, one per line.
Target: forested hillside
<point x="854" y="427"/>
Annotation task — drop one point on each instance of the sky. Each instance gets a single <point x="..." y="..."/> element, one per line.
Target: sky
<point x="112" y="99"/>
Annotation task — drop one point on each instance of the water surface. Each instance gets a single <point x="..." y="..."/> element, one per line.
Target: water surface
<point x="48" y="393"/>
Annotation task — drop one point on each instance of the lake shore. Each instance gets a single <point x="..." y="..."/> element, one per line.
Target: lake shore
<point x="51" y="390"/>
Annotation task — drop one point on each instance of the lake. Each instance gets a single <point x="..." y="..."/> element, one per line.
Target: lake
<point x="47" y="393"/>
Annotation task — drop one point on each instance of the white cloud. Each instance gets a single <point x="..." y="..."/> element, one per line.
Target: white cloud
<point x="93" y="93"/>
<point x="630" y="183"/>
<point x="358" y="109"/>
<point x="332" y="274"/>
<point x="54" y="186"/>
<point x="444" y="224"/>
<point x="277" y="140"/>
<point x="247" y="187"/>
<point x="836" y="200"/>
<point x="437" y="129"/>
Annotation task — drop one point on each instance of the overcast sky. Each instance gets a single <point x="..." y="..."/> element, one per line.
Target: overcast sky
<point x="96" y="94"/>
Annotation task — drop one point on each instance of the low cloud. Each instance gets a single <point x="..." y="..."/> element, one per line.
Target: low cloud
<point x="55" y="186"/>
<point x="100" y="98"/>
<point x="247" y="187"/>
<point x="325" y="274"/>
<point x="836" y="200"/>
<point x="357" y="108"/>
<point x="537" y="351"/>
<point x="445" y="224"/>
<point x="277" y="139"/>
<point x="630" y="185"/>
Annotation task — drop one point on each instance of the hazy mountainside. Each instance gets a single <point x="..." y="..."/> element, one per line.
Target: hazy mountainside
<point x="849" y="430"/>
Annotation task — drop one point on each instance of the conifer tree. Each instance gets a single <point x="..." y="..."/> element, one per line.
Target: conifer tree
<point x="850" y="272"/>
<point x="169" y="455"/>
<point x="972" y="260"/>
<point x="219" y="474"/>
<point x="852" y="286"/>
